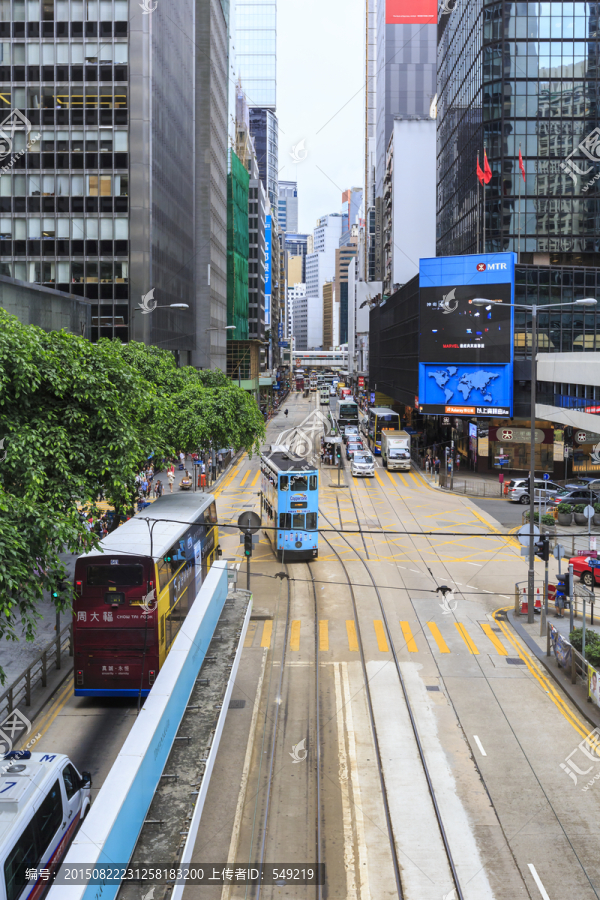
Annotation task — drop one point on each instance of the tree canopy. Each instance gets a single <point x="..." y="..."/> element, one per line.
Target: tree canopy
<point x="77" y="419"/>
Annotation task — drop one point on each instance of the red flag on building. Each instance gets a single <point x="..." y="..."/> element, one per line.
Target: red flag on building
<point x="479" y="171"/>
<point x="487" y="172"/>
<point x="521" y="166"/>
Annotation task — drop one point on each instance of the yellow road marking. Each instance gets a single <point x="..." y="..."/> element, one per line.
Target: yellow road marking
<point x="323" y="634"/>
<point x="497" y="643"/>
<point x="546" y="683"/>
<point x="266" y="635"/>
<point x="435" y="632"/>
<point x="355" y="481"/>
<point x="352" y="638"/>
<point x="295" y="635"/>
<point x="380" y="634"/>
<point x="411" y="644"/>
<point x="466" y="638"/>
<point x="416" y="480"/>
<point x="255" y="479"/>
<point x="63" y="697"/>
<point x="243" y="481"/>
<point x="250" y="634"/>
<point x="379" y="479"/>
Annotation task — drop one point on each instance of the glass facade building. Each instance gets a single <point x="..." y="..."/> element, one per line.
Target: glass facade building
<point x="256" y="50"/>
<point x="263" y="128"/>
<point x="510" y="76"/>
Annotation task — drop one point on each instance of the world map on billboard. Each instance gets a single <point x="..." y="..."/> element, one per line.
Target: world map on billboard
<point x="473" y="385"/>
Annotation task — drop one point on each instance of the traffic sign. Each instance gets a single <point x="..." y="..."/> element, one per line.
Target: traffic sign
<point x="524" y="534"/>
<point x="558" y="552"/>
<point x="546" y="476"/>
<point x="589" y="512"/>
<point x="249" y="522"/>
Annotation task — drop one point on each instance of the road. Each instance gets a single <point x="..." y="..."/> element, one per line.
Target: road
<point x="335" y="768"/>
<point x="493" y="729"/>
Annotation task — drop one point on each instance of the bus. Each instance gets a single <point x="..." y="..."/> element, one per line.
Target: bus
<point x="380" y="419"/>
<point x="290" y="503"/>
<point x="133" y="593"/>
<point x="345" y="412"/>
<point x="43" y="798"/>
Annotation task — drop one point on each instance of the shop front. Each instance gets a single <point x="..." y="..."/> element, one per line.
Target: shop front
<point x="586" y="452"/>
<point x="507" y="447"/>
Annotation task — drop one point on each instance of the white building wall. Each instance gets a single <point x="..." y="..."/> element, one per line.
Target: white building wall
<point x="314" y="335"/>
<point x="413" y="196"/>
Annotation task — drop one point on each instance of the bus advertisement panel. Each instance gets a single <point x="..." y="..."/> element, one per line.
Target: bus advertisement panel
<point x="466" y="348"/>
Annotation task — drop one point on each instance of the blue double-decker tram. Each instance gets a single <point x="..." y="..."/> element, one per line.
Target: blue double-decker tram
<point x="290" y="502"/>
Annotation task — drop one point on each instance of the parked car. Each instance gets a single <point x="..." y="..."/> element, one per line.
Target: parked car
<point x="349" y="430"/>
<point x="352" y="447"/>
<point x="363" y="463"/>
<point x="518" y="490"/>
<point x="580" y="495"/>
<point x="587" y="568"/>
<point x="584" y="481"/>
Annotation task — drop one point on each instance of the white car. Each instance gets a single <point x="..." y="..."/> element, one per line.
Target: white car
<point x="362" y="463"/>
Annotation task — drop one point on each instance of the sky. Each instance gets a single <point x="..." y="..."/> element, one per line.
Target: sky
<point x="320" y="101"/>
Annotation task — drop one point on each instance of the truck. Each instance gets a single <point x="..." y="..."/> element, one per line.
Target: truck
<point x="395" y="449"/>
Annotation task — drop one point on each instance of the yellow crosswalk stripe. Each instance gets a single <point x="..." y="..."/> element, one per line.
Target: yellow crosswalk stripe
<point x="468" y="640"/>
<point x="323" y="634"/>
<point x="250" y="634"/>
<point x="255" y="479"/>
<point x="295" y="635"/>
<point x="411" y="644"/>
<point x="266" y="635"/>
<point x="243" y="481"/>
<point x="352" y="638"/>
<point x="380" y="634"/>
<point x="495" y="640"/>
<point x="403" y="479"/>
<point x="435" y="633"/>
<point x="379" y="479"/>
<point x="355" y="482"/>
<point x="416" y="480"/>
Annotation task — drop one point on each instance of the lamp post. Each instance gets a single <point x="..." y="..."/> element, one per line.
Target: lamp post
<point x="146" y="312"/>
<point x="587" y="301"/>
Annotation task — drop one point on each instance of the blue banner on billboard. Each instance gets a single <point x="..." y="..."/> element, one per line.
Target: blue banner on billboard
<point x="268" y="229"/>
<point x="466" y="348"/>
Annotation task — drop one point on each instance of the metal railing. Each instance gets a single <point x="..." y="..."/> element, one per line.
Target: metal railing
<point x="37" y="672"/>
<point x="478" y="487"/>
<point x="579" y="666"/>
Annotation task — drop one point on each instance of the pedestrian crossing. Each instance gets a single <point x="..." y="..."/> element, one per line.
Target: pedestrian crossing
<point x="477" y="639"/>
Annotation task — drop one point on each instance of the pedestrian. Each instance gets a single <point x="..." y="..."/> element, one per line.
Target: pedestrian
<point x="171" y="478"/>
<point x="220" y="461"/>
<point x="559" y="605"/>
<point x="457" y="462"/>
<point x="145" y="487"/>
<point x="159" y="488"/>
<point x="182" y="458"/>
<point x="437" y="465"/>
<point x="427" y="463"/>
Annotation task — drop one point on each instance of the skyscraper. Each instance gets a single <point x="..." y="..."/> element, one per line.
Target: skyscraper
<point x="256" y="50"/>
<point x="101" y="205"/>
<point x="530" y="81"/>
<point x="288" y="205"/>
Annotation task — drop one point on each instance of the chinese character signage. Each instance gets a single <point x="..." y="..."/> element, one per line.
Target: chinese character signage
<point x="466" y="348"/>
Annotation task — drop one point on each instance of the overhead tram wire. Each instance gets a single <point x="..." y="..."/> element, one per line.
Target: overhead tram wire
<point x="410" y="713"/>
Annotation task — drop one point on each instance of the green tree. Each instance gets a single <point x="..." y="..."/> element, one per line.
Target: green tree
<point x="78" y="419"/>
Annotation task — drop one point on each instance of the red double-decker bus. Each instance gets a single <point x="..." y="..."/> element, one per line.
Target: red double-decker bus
<point x="134" y="592"/>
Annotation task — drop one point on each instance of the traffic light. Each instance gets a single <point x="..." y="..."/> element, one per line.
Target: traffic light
<point x="542" y="548"/>
<point x="60" y="589"/>
<point x="247" y="545"/>
<point x="564" y="587"/>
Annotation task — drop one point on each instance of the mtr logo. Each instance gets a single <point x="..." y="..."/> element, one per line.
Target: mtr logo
<point x="481" y="267"/>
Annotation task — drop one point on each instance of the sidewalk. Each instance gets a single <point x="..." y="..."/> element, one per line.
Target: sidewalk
<point x="536" y="643"/>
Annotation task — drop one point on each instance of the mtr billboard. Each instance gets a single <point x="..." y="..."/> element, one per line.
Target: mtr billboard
<point x="466" y="349"/>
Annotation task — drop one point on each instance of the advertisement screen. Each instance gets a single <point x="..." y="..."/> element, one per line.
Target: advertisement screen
<point x="466" y="349"/>
<point x="411" y="12"/>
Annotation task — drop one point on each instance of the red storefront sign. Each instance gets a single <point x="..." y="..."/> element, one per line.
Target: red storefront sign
<point x="411" y="12"/>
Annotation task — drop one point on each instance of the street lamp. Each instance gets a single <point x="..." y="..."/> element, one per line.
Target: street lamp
<point x="222" y="328"/>
<point x="586" y="301"/>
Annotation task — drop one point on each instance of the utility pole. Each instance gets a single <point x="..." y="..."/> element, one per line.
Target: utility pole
<point x="531" y="573"/>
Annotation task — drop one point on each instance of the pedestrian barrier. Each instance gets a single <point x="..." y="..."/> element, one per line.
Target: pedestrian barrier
<point x="110" y="832"/>
<point x="37" y="672"/>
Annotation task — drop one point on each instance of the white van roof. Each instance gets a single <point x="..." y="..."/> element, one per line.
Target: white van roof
<point x="28" y="779"/>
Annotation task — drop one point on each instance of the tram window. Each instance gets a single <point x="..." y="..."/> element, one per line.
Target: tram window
<point x="311" y="521"/>
<point x="123" y="576"/>
<point x="285" y="520"/>
<point x="299" y="482"/>
<point x="212" y="513"/>
<point x="313" y="482"/>
<point x="284" y="483"/>
<point x="298" y="521"/>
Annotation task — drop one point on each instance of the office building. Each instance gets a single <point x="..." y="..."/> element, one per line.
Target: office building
<point x="295" y="270"/>
<point x="297" y="318"/>
<point x="409" y="202"/>
<point x="263" y="128"/>
<point x="343" y="256"/>
<point x="368" y="270"/>
<point x="288" y="206"/>
<point x="100" y="205"/>
<point x="331" y="324"/>
<point x="351" y="208"/>
<point x="529" y="79"/>
<point x="256" y="263"/>
<point x="237" y="248"/>
<point x="256" y="50"/>
<point x="297" y="245"/>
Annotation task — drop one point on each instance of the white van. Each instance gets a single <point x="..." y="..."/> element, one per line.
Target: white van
<point x="42" y="800"/>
